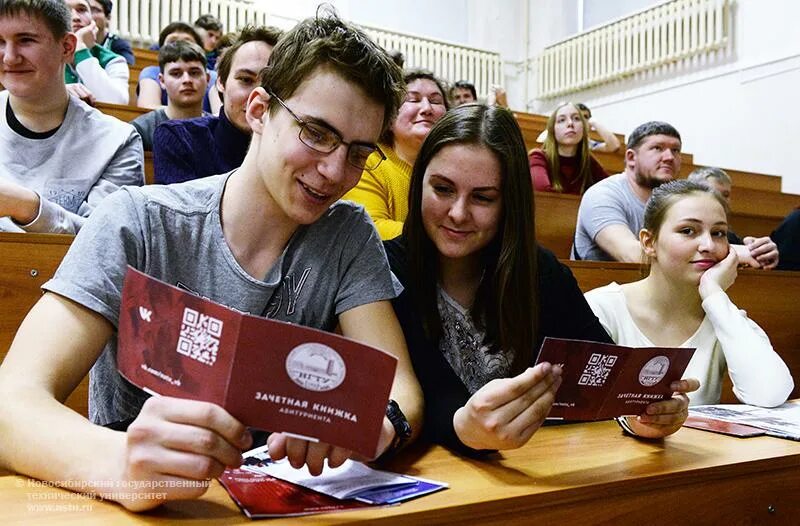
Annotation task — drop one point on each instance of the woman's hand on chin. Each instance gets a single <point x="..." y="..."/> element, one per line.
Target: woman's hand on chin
<point x="720" y="276"/>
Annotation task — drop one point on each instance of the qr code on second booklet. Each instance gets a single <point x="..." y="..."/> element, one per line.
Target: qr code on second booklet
<point x="596" y="371"/>
<point x="200" y="335"/>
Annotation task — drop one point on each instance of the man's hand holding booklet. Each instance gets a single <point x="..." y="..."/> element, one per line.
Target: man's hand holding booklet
<point x="602" y="381"/>
<point x="268" y="374"/>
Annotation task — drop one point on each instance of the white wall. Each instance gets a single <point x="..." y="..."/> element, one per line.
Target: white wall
<point x="739" y="111"/>
<point x="440" y="20"/>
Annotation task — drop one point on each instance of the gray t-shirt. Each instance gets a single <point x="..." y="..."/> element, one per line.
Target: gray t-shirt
<point x="609" y="202"/>
<point x="146" y="126"/>
<point x="174" y="233"/>
<point x="89" y="157"/>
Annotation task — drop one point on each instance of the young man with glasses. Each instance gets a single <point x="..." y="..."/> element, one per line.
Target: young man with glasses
<point x="269" y="238"/>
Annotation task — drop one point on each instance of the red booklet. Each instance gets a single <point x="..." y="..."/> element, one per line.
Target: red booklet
<point x="602" y="380"/>
<point x="720" y="426"/>
<point x="268" y="374"/>
<point x="260" y="495"/>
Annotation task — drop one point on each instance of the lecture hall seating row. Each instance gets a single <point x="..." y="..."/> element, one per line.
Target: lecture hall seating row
<point x="754" y="211"/>
<point x="532" y="125"/>
<point x="770" y="298"/>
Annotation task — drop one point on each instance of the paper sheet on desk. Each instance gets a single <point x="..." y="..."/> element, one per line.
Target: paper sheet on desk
<point x="343" y="482"/>
<point x="352" y="480"/>
<point x="782" y="421"/>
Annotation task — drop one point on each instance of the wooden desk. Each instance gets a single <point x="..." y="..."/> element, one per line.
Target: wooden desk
<point x="575" y="474"/>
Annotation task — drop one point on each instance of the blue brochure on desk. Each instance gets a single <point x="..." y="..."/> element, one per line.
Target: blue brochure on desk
<point x="394" y="495"/>
<point x="352" y="480"/>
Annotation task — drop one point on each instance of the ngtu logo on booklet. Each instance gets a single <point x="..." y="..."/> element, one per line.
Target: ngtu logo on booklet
<point x="654" y="371"/>
<point x="315" y="367"/>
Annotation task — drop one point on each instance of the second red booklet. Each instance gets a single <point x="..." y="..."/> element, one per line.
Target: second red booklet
<point x="602" y="380"/>
<point x="268" y="374"/>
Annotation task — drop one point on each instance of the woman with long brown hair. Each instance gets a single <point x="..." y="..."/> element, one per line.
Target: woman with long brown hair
<point x="480" y="294"/>
<point x="564" y="163"/>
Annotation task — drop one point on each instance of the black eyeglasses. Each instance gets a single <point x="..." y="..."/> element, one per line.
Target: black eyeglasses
<point x="322" y="139"/>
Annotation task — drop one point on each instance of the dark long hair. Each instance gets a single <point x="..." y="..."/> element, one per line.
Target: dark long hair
<point x="506" y="302"/>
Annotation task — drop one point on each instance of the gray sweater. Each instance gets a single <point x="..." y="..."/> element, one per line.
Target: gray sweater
<point x="89" y="157"/>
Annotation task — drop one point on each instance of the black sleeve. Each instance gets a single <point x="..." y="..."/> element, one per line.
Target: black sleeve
<point x="787" y="237"/>
<point x="443" y="390"/>
<point x="563" y="311"/>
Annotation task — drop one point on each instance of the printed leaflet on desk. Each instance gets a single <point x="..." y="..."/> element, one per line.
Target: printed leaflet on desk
<point x="268" y="374"/>
<point x="351" y="480"/>
<point x="601" y="380"/>
<point x="781" y="422"/>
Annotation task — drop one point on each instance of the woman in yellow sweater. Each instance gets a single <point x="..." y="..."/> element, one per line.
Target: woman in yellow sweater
<point x="384" y="190"/>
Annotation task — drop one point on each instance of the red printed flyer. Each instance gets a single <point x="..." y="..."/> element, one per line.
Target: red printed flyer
<point x="268" y="374"/>
<point x="259" y="496"/>
<point x="602" y="380"/>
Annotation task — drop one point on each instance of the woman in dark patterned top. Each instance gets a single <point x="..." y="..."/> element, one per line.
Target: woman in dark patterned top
<point x="480" y="295"/>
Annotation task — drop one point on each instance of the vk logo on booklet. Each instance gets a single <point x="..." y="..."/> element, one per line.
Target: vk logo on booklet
<point x="602" y="380"/>
<point x="268" y="374"/>
<point x="145" y="314"/>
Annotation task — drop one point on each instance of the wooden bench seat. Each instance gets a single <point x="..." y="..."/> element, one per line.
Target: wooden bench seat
<point x="123" y="112"/>
<point x="28" y="261"/>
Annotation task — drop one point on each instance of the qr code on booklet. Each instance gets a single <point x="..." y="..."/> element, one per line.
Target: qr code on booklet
<point x="596" y="371"/>
<point x="200" y="335"/>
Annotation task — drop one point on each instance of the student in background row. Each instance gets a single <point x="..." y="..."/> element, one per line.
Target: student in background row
<point x="101" y="13"/>
<point x="682" y="302"/>
<point x="384" y="191"/>
<point x="189" y="149"/>
<point x="210" y="30"/>
<point x="564" y="164"/>
<point x="762" y="248"/>
<point x="609" y="144"/>
<point x="214" y="99"/>
<point x="229" y="238"/>
<point x="463" y="92"/>
<point x="185" y="79"/>
<point x="59" y="158"/>
<point x="149" y="93"/>
<point x="611" y="212"/>
<point x="95" y="72"/>
<point x="480" y="295"/>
